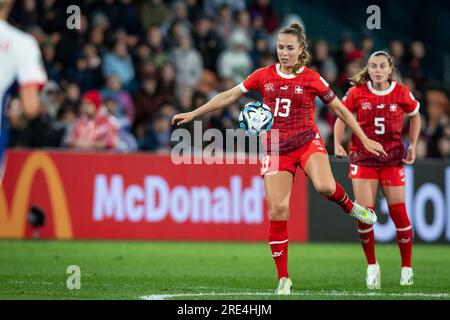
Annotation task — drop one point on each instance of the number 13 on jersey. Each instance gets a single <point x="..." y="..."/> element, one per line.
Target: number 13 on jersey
<point x="285" y="105"/>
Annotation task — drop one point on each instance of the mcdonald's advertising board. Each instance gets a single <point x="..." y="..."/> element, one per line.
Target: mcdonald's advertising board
<point x="138" y="196"/>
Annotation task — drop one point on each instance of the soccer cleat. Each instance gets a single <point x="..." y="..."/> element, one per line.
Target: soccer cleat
<point x="363" y="214"/>
<point x="406" y="278"/>
<point x="284" y="286"/>
<point x="373" y="276"/>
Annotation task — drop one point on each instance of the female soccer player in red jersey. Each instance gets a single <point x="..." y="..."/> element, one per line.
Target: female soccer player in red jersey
<point x="289" y="89"/>
<point x="380" y="103"/>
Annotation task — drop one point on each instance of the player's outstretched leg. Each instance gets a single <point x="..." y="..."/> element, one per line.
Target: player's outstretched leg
<point x="363" y="214"/>
<point x="404" y="240"/>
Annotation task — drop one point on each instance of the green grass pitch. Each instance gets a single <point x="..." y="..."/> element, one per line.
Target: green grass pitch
<point x="214" y="270"/>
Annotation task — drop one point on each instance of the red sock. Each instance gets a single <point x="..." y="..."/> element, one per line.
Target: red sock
<point x="341" y="198"/>
<point x="278" y="241"/>
<point x="366" y="235"/>
<point x="404" y="231"/>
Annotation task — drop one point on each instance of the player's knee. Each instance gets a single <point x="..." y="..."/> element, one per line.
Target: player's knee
<point x="278" y="210"/>
<point x="325" y="188"/>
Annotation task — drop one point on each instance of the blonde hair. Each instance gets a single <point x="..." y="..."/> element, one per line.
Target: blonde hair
<point x="297" y="30"/>
<point x="362" y="77"/>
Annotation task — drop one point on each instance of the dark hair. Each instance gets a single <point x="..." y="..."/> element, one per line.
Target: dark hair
<point x="362" y="77"/>
<point x="297" y="30"/>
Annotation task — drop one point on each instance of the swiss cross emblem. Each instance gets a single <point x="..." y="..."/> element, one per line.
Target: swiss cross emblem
<point x="269" y="86"/>
<point x="393" y="107"/>
<point x="298" y="90"/>
<point x="366" y="106"/>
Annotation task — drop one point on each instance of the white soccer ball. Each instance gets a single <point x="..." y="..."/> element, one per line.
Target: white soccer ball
<point x="255" y="118"/>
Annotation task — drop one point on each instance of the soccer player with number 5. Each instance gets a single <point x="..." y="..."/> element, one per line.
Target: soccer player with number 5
<point x="289" y="89"/>
<point x="380" y="103"/>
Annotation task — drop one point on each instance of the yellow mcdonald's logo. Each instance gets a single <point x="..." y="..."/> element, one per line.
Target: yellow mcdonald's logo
<point x="13" y="222"/>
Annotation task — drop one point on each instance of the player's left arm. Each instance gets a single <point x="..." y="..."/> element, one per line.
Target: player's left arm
<point x="347" y="117"/>
<point x="31" y="76"/>
<point x="414" y="131"/>
<point x="411" y="108"/>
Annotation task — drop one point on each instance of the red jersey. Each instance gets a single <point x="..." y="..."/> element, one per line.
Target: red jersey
<point x="291" y="99"/>
<point x="103" y="128"/>
<point x="381" y="116"/>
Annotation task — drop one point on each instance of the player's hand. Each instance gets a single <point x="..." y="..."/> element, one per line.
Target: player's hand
<point x="374" y="147"/>
<point x="183" y="118"/>
<point x="410" y="155"/>
<point x="339" y="151"/>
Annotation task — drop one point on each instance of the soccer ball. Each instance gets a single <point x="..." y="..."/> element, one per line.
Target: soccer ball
<point x="255" y="118"/>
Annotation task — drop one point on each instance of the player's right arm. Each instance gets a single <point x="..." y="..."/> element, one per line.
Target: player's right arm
<point x="218" y="102"/>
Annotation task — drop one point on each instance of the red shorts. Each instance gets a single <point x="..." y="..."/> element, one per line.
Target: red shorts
<point x="290" y="161"/>
<point x="388" y="176"/>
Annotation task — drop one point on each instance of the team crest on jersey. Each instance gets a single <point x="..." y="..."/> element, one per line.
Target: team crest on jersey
<point x="298" y="90"/>
<point x="269" y="86"/>
<point x="366" y="106"/>
<point x="393" y="107"/>
<point x="380" y="106"/>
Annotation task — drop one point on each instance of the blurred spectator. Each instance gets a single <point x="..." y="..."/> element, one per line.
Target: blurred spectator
<point x="366" y="46"/>
<point x="82" y="75"/>
<point x="52" y="67"/>
<point x="157" y="136"/>
<point x="154" y="39"/>
<point x="207" y="42"/>
<point x="260" y="48"/>
<point x="119" y="63"/>
<point x="211" y="6"/>
<point x="177" y="22"/>
<point x="72" y="99"/>
<point x="263" y="9"/>
<point x="235" y="62"/>
<point x="146" y="101"/>
<point x="243" y="26"/>
<point x="415" y="64"/>
<point x="323" y="62"/>
<point x="438" y="122"/>
<point x="95" y="128"/>
<point x="166" y="83"/>
<point x="187" y="61"/>
<point x="397" y="51"/>
<point x="51" y="98"/>
<point x="153" y="13"/>
<point x="224" y="23"/>
<point x="125" y="107"/>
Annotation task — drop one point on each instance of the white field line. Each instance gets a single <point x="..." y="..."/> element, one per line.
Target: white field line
<point x="301" y="293"/>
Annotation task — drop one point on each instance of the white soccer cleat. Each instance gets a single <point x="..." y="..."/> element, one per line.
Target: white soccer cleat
<point x="363" y="214"/>
<point x="373" y="276"/>
<point x="406" y="278"/>
<point x="284" y="286"/>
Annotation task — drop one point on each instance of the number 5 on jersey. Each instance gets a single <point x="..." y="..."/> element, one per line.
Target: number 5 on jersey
<point x="379" y="124"/>
<point x="285" y="105"/>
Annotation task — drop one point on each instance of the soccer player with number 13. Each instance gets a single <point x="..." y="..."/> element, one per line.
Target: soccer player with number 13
<point x="289" y="89"/>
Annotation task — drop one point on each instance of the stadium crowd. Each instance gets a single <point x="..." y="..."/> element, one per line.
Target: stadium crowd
<point x="115" y="83"/>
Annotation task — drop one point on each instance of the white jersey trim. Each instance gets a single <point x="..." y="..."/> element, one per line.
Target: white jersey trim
<point x="287" y="76"/>
<point x="416" y="110"/>
<point x="379" y="92"/>
<point x="243" y="88"/>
